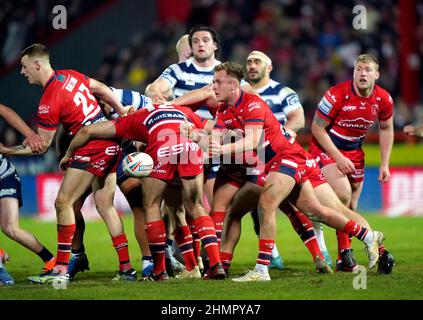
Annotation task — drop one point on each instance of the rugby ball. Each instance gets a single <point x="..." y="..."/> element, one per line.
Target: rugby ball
<point x="137" y="164"/>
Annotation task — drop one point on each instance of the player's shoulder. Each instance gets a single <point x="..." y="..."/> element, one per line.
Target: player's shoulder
<point x="252" y="101"/>
<point x="71" y="72"/>
<point x="342" y="87"/>
<point x="339" y="92"/>
<point x="382" y="95"/>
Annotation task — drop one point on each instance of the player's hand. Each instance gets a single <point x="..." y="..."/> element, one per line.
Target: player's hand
<point x="292" y="133"/>
<point x="64" y="163"/>
<point x="35" y="142"/>
<point x="127" y="110"/>
<point x="215" y="149"/>
<point x="159" y="98"/>
<point x="345" y="165"/>
<point x="384" y="174"/>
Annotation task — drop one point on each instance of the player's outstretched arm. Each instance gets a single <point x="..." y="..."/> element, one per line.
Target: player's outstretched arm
<point x="25" y="150"/>
<point x="204" y="95"/>
<point x="249" y="142"/>
<point x="101" y="130"/>
<point x="35" y="142"/>
<point x="104" y="93"/>
<point x="159" y="91"/>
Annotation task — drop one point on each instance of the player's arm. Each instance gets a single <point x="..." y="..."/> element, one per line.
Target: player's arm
<point x="24" y="150"/>
<point x="295" y="120"/>
<point x="386" y="140"/>
<point x="100" y="130"/>
<point x="204" y="95"/>
<point x="35" y="142"/>
<point x="159" y="91"/>
<point x="318" y="129"/>
<point x="104" y="93"/>
<point x="249" y="142"/>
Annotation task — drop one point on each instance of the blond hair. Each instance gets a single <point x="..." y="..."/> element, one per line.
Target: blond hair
<point x="367" y="58"/>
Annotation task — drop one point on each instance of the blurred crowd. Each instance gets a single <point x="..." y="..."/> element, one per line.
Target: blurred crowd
<point x="24" y="22"/>
<point x="312" y="43"/>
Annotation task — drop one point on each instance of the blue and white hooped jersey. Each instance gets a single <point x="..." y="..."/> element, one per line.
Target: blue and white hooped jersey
<point x="130" y="98"/>
<point x="6" y="167"/>
<point x="186" y="76"/>
<point x="282" y="100"/>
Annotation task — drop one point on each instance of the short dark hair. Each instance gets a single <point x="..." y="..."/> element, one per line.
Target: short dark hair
<point x="36" y="49"/>
<point x="232" y="68"/>
<point x="208" y="29"/>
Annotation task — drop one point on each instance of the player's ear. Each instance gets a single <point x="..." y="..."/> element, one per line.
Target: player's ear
<point x="37" y="65"/>
<point x="377" y="75"/>
<point x="269" y="68"/>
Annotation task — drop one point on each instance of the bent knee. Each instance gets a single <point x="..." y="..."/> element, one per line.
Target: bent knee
<point x="345" y="197"/>
<point x="10" y="231"/>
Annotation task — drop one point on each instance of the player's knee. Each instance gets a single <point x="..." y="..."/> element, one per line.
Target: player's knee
<point x="62" y="203"/>
<point x="10" y="231"/>
<point x="345" y="197"/>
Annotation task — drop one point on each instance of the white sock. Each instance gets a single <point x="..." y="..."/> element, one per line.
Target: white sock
<point x="263" y="269"/>
<point x="320" y="237"/>
<point x="168" y="251"/>
<point x="146" y="263"/>
<point x="368" y="239"/>
<point x="275" y="252"/>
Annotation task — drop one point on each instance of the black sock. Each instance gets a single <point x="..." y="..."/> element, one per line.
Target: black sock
<point x="45" y="255"/>
<point x="79" y="251"/>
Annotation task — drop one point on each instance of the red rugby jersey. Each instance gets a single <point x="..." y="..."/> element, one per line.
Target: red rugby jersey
<point x="350" y="115"/>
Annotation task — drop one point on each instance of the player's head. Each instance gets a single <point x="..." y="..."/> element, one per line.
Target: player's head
<point x="366" y="71"/>
<point x="258" y="66"/>
<point x="35" y="60"/>
<point x="204" y="43"/>
<point x="183" y="48"/>
<point x="226" y="80"/>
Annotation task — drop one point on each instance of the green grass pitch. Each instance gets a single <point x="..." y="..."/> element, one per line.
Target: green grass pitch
<point x="297" y="281"/>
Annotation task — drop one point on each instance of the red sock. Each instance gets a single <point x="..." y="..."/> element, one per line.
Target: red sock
<point x="344" y="242"/>
<point x="121" y="245"/>
<point x="354" y="229"/>
<point x="265" y="251"/>
<point x="218" y="218"/>
<point x="183" y="239"/>
<point x="156" y="235"/>
<point x="304" y="227"/>
<point x="195" y="238"/>
<point x="226" y="259"/>
<point x="205" y="229"/>
<point x="64" y="242"/>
